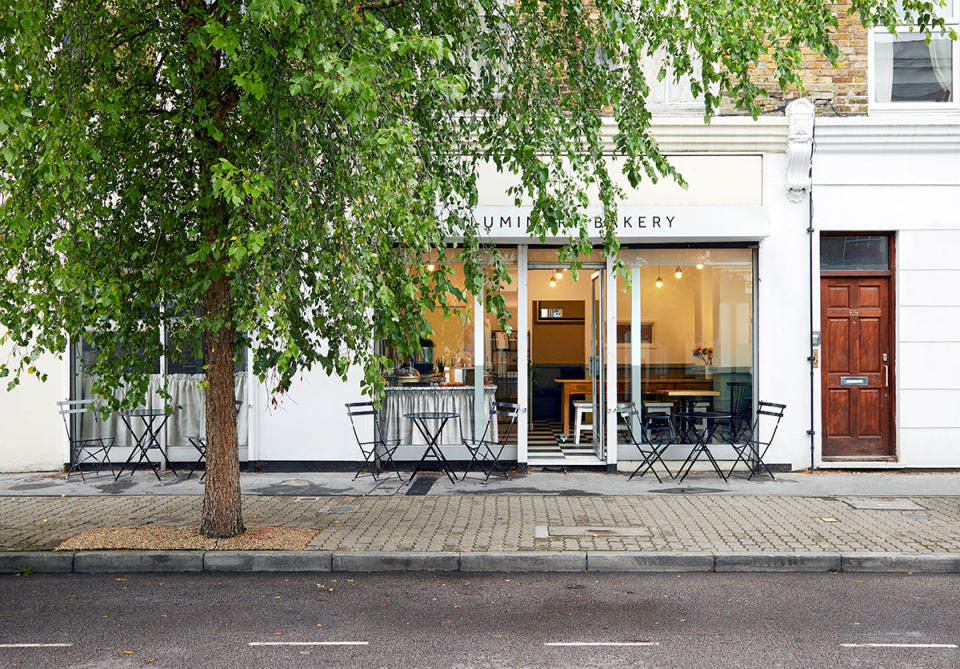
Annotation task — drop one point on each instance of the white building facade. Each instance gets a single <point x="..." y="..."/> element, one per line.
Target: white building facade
<point x="833" y="290"/>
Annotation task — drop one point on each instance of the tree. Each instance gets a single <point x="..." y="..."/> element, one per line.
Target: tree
<point x="264" y="174"/>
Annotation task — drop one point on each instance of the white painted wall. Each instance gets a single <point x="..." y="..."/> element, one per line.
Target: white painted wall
<point x="783" y="317"/>
<point x="309" y="422"/>
<point x="33" y="436"/>
<point x="903" y="175"/>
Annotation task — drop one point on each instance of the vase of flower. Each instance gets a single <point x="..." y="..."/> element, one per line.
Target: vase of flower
<point x="705" y="354"/>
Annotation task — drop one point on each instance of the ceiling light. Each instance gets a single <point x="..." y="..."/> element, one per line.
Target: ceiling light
<point x="431" y="267"/>
<point x="558" y="274"/>
<point x="678" y="273"/>
<point x="700" y="265"/>
<point x="659" y="282"/>
<point x="553" y="283"/>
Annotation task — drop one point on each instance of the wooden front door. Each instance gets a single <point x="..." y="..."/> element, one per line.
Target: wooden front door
<point x="857" y="363"/>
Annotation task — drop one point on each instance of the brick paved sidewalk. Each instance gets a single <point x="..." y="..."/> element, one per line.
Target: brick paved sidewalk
<point x="748" y="523"/>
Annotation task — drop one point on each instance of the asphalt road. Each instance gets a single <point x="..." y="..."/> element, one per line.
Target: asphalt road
<point x="499" y="620"/>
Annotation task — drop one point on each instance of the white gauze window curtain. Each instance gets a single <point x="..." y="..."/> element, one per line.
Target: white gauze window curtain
<point x="941" y="58"/>
<point x="883" y="68"/>
<point x="189" y="420"/>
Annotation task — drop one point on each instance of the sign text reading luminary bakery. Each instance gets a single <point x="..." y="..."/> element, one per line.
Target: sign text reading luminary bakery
<point x="521" y="221"/>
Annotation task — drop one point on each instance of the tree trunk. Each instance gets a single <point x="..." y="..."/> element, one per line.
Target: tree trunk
<point x="221" y="496"/>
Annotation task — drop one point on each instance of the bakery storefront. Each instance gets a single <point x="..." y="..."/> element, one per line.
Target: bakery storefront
<point x="674" y="331"/>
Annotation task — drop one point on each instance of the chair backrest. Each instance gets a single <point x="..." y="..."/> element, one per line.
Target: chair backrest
<point x="631" y="416"/>
<point x="73" y="412"/>
<point x="767" y="409"/>
<point x="360" y="409"/>
<point x="502" y="409"/>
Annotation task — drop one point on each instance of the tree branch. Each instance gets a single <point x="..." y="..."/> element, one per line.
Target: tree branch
<point x="376" y="5"/>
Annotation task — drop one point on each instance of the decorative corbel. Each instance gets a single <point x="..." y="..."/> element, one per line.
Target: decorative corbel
<point x="800" y="116"/>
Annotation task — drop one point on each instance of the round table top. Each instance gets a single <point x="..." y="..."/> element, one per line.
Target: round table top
<point x="430" y="415"/>
<point x="144" y="412"/>
<point x="719" y="415"/>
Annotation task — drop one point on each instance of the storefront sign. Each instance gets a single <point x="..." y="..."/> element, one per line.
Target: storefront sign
<point x="641" y="223"/>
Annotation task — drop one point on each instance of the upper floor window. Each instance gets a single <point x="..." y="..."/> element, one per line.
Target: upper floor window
<point x="908" y="72"/>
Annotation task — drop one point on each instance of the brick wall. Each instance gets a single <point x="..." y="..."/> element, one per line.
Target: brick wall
<point x="836" y="91"/>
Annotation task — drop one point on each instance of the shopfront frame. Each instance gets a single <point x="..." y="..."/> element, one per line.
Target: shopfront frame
<point x="640" y="228"/>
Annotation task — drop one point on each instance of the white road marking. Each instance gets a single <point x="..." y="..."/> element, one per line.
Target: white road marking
<point x="309" y="643"/>
<point x="35" y="645"/>
<point x="898" y="645"/>
<point x="602" y="643"/>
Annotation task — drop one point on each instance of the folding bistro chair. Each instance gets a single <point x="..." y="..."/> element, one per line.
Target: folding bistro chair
<point x="656" y="434"/>
<point x="741" y="406"/>
<point x="754" y="449"/>
<point x="486" y="451"/>
<point x="377" y="449"/>
<point x="200" y="444"/>
<point x="84" y="450"/>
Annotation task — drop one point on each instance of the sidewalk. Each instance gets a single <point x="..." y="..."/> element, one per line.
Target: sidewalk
<point x="521" y="518"/>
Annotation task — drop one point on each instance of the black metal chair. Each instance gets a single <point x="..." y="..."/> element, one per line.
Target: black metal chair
<point x="656" y="434"/>
<point x="377" y="450"/>
<point x="741" y="405"/>
<point x="84" y="450"/>
<point x="200" y="444"/>
<point x="754" y="449"/>
<point x="486" y="451"/>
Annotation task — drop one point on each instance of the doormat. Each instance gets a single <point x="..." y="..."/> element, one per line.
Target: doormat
<point x="688" y="491"/>
<point x="422" y="485"/>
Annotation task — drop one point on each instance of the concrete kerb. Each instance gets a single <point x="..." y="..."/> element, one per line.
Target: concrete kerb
<point x="932" y="563"/>
<point x="40" y="562"/>
<point x="638" y="561"/>
<point x="776" y="562"/>
<point x="507" y="561"/>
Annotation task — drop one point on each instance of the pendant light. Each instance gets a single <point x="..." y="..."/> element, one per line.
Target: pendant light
<point x="659" y="282"/>
<point x="431" y="267"/>
<point x="700" y="265"/>
<point x="678" y="272"/>
<point x="553" y="283"/>
<point x="558" y="274"/>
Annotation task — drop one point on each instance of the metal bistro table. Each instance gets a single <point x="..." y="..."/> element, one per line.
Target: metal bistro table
<point x="432" y="449"/>
<point x="152" y="421"/>
<point x="711" y="420"/>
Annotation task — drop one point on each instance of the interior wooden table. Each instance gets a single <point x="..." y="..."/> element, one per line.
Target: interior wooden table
<point x="686" y="397"/>
<point x="572" y="387"/>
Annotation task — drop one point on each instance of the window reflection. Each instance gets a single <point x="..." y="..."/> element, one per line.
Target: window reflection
<point x="685" y="331"/>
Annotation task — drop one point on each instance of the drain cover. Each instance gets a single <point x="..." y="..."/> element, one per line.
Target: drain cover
<point x="547" y="531"/>
<point x="876" y="504"/>
<point x="688" y="491"/>
<point x="341" y="509"/>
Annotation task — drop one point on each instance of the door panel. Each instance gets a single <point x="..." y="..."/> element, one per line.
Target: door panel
<point x="598" y="367"/>
<point x="857" y="402"/>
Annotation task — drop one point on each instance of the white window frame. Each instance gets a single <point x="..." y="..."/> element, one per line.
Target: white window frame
<point x="952" y="107"/>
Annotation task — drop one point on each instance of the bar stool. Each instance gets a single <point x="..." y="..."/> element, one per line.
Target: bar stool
<point x="582" y="407"/>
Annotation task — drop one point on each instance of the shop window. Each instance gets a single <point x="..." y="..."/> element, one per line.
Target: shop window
<point x="183" y="374"/>
<point x="685" y="332"/>
<point x="910" y="71"/>
<point x="854" y="252"/>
